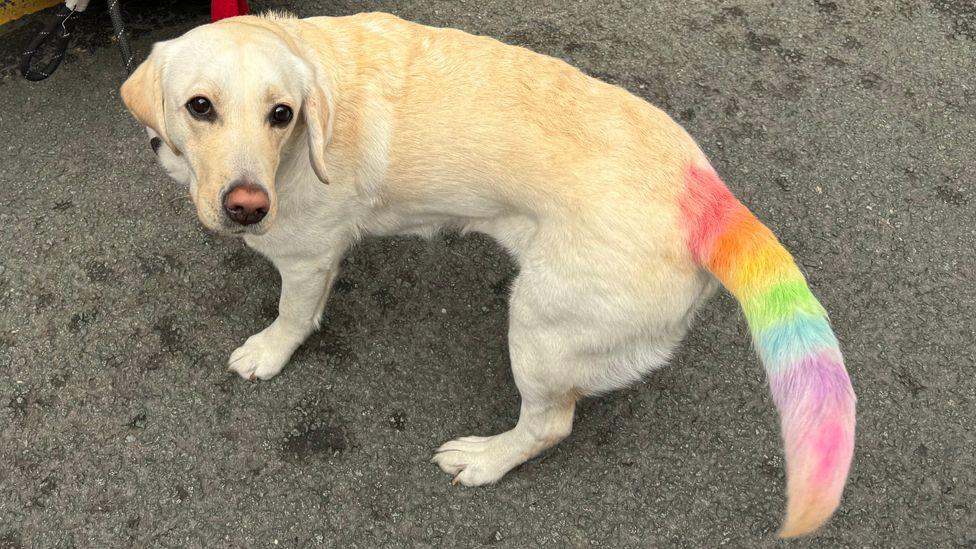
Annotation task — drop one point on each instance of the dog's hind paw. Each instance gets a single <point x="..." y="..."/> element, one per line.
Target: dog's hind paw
<point x="475" y="461"/>
<point x="261" y="357"/>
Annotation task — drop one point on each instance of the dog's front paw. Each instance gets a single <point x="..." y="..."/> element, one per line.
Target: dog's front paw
<point x="261" y="357"/>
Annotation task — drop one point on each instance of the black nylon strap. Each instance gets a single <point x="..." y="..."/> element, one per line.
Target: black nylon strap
<point x="55" y="35"/>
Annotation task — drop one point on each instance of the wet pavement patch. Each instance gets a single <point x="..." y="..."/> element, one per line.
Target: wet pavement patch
<point x="308" y="441"/>
<point x="317" y="434"/>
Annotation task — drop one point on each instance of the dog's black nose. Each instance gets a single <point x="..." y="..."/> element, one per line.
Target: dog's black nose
<point x="155" y="142"/>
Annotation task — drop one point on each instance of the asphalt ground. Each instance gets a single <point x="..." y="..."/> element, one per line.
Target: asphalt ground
<point x="849" y="127"/>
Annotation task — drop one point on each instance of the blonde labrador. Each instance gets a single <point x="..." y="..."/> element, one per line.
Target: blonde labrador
<point x="303" y="136"/>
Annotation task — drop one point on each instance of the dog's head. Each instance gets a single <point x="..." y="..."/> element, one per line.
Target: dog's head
<point x="225" y="104"/>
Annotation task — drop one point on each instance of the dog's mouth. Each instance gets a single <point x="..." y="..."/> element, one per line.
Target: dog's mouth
<point x="227" y="227"/>
<point x="244" y="231"/>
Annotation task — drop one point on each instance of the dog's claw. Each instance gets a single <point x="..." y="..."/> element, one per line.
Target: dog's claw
<point x="252" y="377"/>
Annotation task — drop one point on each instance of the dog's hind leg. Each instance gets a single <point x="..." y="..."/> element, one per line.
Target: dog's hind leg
<point x="305" y="285"/>
<point x="543" y="373"/>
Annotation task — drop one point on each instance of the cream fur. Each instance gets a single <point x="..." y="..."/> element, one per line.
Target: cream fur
<point x="428" y="129"/>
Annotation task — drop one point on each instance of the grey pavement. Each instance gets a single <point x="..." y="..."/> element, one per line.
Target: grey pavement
<point x="848" y="127"/>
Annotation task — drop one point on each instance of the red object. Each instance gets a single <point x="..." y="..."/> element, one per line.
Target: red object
<point x="222" y="9"/>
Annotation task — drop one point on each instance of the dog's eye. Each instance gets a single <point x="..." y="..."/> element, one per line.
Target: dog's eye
<point x="200" y="107"/>
<point x="280" y="115"/>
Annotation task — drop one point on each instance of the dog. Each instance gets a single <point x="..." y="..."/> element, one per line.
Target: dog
<point x="302" y="136"/>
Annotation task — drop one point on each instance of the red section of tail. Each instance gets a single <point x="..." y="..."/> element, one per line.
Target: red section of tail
<point x="222" y="9"/>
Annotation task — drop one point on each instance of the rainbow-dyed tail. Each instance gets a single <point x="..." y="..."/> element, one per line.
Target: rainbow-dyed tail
<point x="791" y="333"/>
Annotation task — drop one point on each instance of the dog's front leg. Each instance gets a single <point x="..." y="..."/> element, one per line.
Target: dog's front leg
<point x="305" y="285"/>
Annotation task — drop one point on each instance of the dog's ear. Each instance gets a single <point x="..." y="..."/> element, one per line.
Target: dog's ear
<point x="142" y="94"/>
<point x="318" y="106"/>
<point x="317" y="111"/>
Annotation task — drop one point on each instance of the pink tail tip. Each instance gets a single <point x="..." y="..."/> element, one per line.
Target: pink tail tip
<point x="818" y="460"/>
